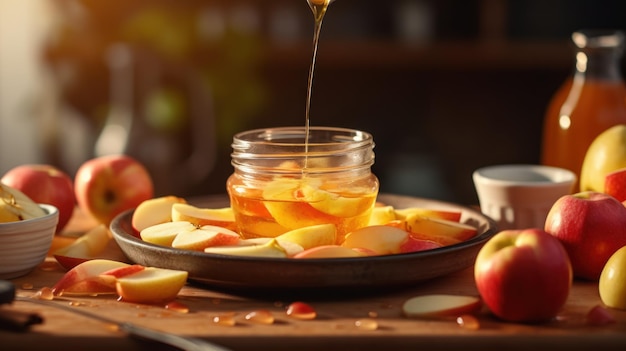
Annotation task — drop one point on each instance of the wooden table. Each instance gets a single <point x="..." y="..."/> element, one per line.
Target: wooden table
<point x="333" y="329"/>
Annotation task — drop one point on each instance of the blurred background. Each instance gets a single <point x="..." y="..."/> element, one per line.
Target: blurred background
<point x="445" y="86"/>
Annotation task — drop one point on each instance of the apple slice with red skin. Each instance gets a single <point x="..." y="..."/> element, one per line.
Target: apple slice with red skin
<point x="415" y="245"/>
<point x="164" y="234"/>
<point x="204" y="237"/>
<point x="93" y="277"/>
<point x="441" y="305"/>
<point x="151" y="285"/>
<point x="381" y="239"/>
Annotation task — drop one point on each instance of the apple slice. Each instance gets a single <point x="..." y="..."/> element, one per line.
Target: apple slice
<point x="86" y="247"/>
<point x="291" y="248"/>
<point x="329" y="251"/>
<point x="337" y="205"/>
<point x="199" y="239"/>
<point x="271" y="248"/>
<point x="404" y="213"/>
<point x="441" y="305"/>
<point x="151" y="285"/>
<point x="164" y="234"/>
<point x="311" y="236"/>
<point x="381" y="239"/>
<point x="288" y="205"/>
<point x="415" y="245"/>
<point x="87" y="278"/>
<point x="154" y="211"/>
<point x="221" y="217"/>
<point x="382" y="215"/>
<point x="419" y="224"/>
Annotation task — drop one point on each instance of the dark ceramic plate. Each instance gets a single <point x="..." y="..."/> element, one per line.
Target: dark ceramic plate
<point x="238" y="272"/>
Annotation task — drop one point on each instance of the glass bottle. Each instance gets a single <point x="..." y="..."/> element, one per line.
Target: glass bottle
<point x="590" y="101"/>
<point x="281" y="183"/>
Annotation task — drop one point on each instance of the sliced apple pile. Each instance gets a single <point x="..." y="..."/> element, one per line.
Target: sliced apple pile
<point x="441" y="305"/>
<point x="132" y="283"/>
<point x="86" y="247"/>
<point x="299" y="208"/>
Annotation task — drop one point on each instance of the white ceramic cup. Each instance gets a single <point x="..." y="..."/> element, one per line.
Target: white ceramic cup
<point x="519" y="196"/>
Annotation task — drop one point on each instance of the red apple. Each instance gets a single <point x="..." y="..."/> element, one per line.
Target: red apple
<point x="615" y="184"/>
<point x="523" y="275"/>
<point x="590" y="225"/>
<point x="44" y="184"/>
<point x="108" y="185"/>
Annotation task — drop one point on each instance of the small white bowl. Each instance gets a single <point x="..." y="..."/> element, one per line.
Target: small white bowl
<point x="25" y="244"/>
<point x="519" y="196"/>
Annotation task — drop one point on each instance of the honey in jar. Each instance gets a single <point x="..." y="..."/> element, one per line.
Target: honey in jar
<point x="281" y="183"/>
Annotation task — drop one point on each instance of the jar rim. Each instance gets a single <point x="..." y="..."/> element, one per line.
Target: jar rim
<point x="295" y="136"/>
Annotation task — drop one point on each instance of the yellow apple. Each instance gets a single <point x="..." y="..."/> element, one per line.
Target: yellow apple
<point x="221" y="217"/>
<point x="311" y="236"/>
<point x="606" y="153"/>
<point x="612" y="285"/>
<point x="151" y="285"/>
<point x="154" y="211"/>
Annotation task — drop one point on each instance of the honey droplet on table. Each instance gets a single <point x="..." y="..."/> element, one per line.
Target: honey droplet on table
<point x="45" y="293"/>
<point x="260" y="316"/>
<point x="301" y="310"/>
<point x="225" y="319"/>
<point x="366" y="324"/>
<point x="177" y="306"/>
<point x="467" y="321"/>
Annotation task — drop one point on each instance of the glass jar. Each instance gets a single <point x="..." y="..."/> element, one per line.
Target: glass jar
<point x="283" y="180"/>
<point x="590" y="101"/>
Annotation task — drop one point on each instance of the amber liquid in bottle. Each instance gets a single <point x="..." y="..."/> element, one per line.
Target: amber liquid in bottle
<point x="588" y="103"/>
